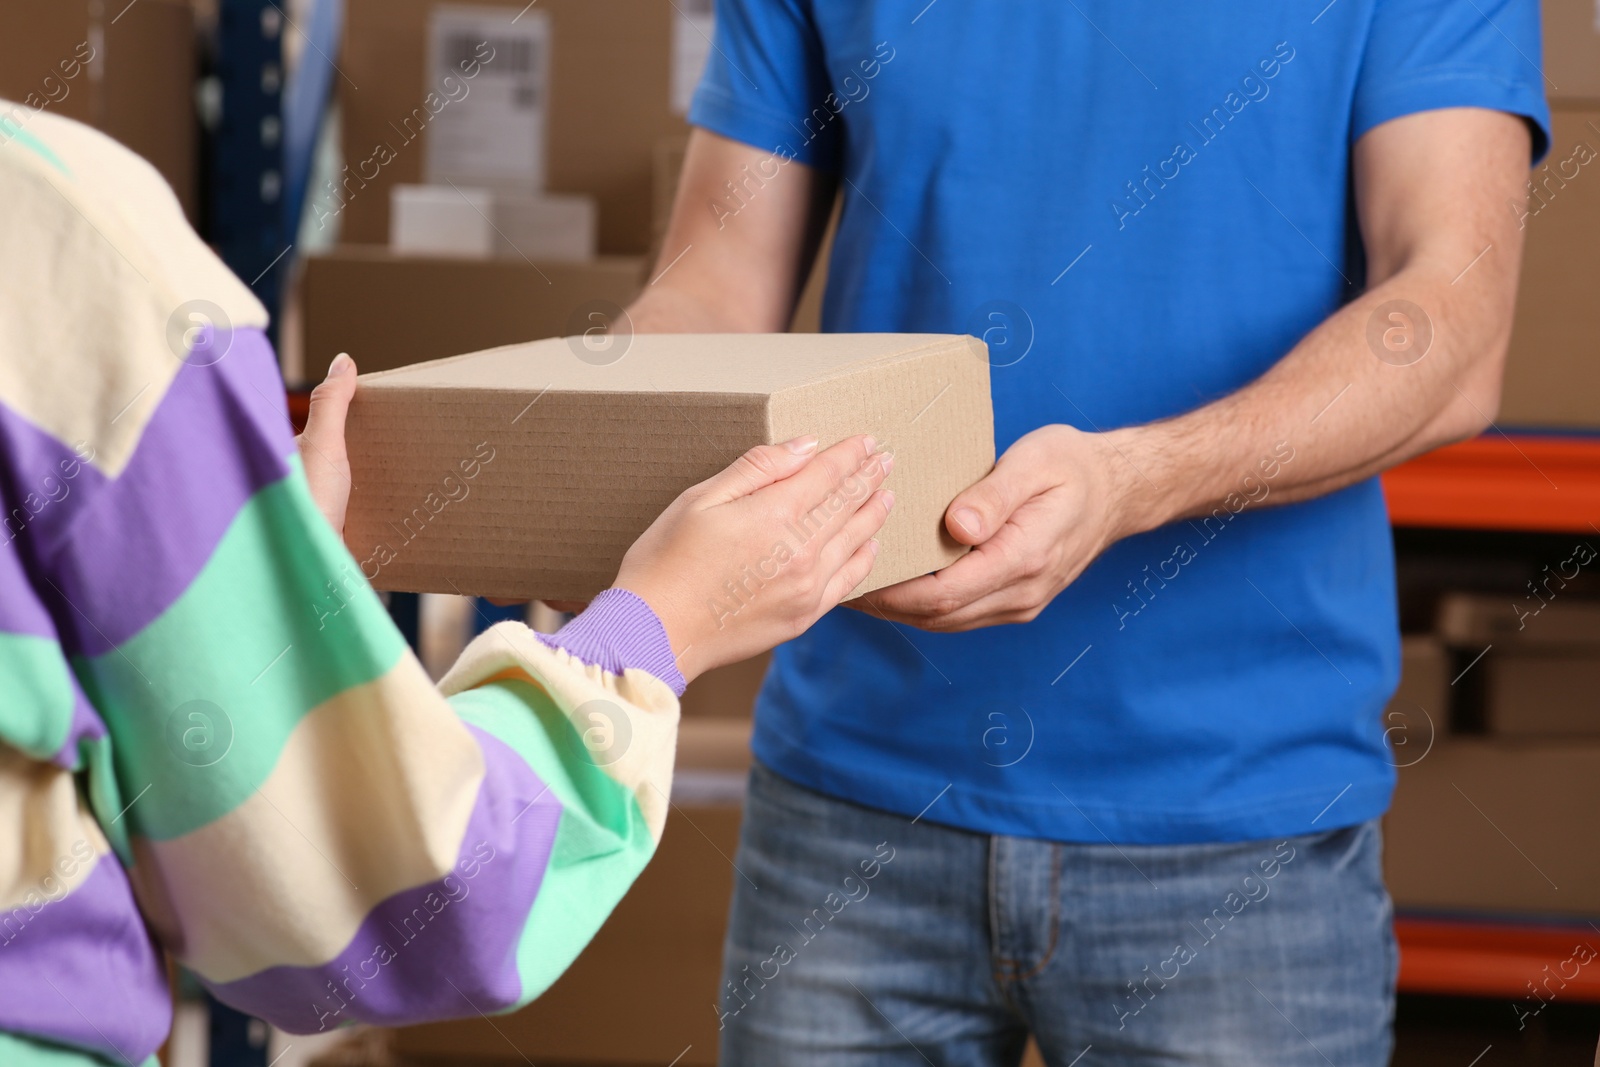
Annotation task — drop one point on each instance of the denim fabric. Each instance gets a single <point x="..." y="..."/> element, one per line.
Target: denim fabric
<point x="862" y="937"/>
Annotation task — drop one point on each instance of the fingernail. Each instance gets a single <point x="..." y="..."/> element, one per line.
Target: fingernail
<point x="888" y="499"/>
<point x="872" y="546"/>
<point x="802" y="445"/>
<point x="969" y="521"/>
<point x="340" y="365"/>
<point x="887" y="459"/>
<point x="872" y="444"/>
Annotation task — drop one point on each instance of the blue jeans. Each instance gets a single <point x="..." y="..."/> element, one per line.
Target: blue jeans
<point x="861" y="937"/>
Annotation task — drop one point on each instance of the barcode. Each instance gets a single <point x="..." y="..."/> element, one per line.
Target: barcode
<point x="512" y="55"/>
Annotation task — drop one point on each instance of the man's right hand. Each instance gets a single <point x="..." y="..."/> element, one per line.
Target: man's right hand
<point x="753" y="556"/>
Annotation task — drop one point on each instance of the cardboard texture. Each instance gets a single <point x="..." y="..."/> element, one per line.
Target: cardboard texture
<point x="727" y="693"/>
<point x="138" y="87"/>
<point x="463" y="485"/>
<point x="1552" y="378"/>
<point x="1571" y="50"/>
<point x="1424" y="686"/>
<point x="389" y="311"/>
<point x="1497" y="826"/>
<point x="1542" y="668"/>
<point x="610" y="101"/>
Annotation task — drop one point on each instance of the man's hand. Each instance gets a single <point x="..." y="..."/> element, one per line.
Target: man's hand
<point x="1051" y="505"/>
<point x="322" y="451"/>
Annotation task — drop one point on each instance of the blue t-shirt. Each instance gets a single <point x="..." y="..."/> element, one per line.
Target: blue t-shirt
<point x="1142" y="207"/>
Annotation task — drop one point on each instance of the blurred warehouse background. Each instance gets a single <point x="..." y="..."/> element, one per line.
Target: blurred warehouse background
<point x="363" y="163"/>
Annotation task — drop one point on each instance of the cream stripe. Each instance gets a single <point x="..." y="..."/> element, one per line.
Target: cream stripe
<point x="94" y="267"/>
<point x="49" y="843"/>
<point x="649" y="731"/>
<point x="371" y="795"/>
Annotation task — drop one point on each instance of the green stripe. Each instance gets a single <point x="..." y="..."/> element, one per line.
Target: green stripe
<point x="36" y="714"/>
<point x="19" y="1051"/>
<point x="602" y="841"/>
<point x="11" y="130"/>
<point x="200" y="703"/>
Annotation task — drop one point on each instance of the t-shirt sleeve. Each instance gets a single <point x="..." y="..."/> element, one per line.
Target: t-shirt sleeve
<point x="1423" y="55"/>
<point x="766" y="82"/>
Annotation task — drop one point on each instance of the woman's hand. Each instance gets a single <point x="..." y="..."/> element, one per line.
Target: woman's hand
<point x="322" y="453"/>
<point x="753" y="556"/>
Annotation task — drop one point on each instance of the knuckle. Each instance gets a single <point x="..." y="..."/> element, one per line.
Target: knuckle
<point x="806" y="586"/>
<point x="759" y="461"/>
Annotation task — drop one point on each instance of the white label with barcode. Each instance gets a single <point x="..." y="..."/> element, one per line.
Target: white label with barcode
<point x="692" y="26"/>
<point x="488" y="83"/>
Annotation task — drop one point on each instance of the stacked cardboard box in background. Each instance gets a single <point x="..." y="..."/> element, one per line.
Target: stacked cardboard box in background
<point x="129" y="72"/>
<point x="1539" y="675"/>
<point x="389" y="311"/>
<point x="612" y="69"/>
<point x="1552" y="378"/>
<point x="1495" y="821"/>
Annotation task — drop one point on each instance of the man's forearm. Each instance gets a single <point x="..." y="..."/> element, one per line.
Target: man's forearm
<point x="1344" y="412"/>
<point x="735" y="271"/>
<point x="1347" y="403"/>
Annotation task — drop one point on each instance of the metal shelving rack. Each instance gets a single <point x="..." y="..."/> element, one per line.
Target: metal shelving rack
<point x="1528" y="483"/>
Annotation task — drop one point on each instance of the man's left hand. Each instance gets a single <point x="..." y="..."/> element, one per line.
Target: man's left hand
<point x="1055" y="501"/>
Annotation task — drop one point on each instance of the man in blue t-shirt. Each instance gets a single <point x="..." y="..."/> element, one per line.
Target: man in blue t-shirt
<point x="1113" y="778"/>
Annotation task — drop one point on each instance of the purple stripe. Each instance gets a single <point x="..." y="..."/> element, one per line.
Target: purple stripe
<point x="464" y="928"/>
<point x="82" y="971"/>
<point x="619" y="630"/>
<point x="219" y="435"/>
<point x="44" y="485"/>
<point x="21" y="611"/>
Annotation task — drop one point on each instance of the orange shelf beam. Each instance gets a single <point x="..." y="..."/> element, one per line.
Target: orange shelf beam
<point x="1499" y="482"/>
<point x="1482" y="959"/>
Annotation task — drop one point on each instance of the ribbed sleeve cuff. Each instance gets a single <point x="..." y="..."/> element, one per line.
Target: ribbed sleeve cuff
<point x="617" y="631"/>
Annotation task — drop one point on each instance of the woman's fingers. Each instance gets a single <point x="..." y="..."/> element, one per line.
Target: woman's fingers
<point x="852" y="574"/>
<point x="833" y="473"/>
<point x="322" y="448"/>
<point x="758" y="468"/>
<point x="857" y="530"/>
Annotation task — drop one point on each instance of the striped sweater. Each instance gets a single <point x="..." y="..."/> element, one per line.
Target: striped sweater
<point x="213" y="742"/>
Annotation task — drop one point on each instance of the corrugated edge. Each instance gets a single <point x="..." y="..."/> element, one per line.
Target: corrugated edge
<point x="936" y="341"/>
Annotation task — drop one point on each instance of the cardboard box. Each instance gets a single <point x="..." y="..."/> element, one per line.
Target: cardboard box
<point x="1541" y="672"/>
<point x="438" y="220"/>
<point x="129" y="72"/>
<point x="656" y="963"/>
<point x="1497" y="826"/>
<point x="611" y="80"/>
<point x="727" y="693"/>
<point x="1571" y="50"/>
<point x="389" y="311"/>
<point x="1420" y="707"/>
<point x="544" y="500"/>
<point x="1552" y="378"/>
